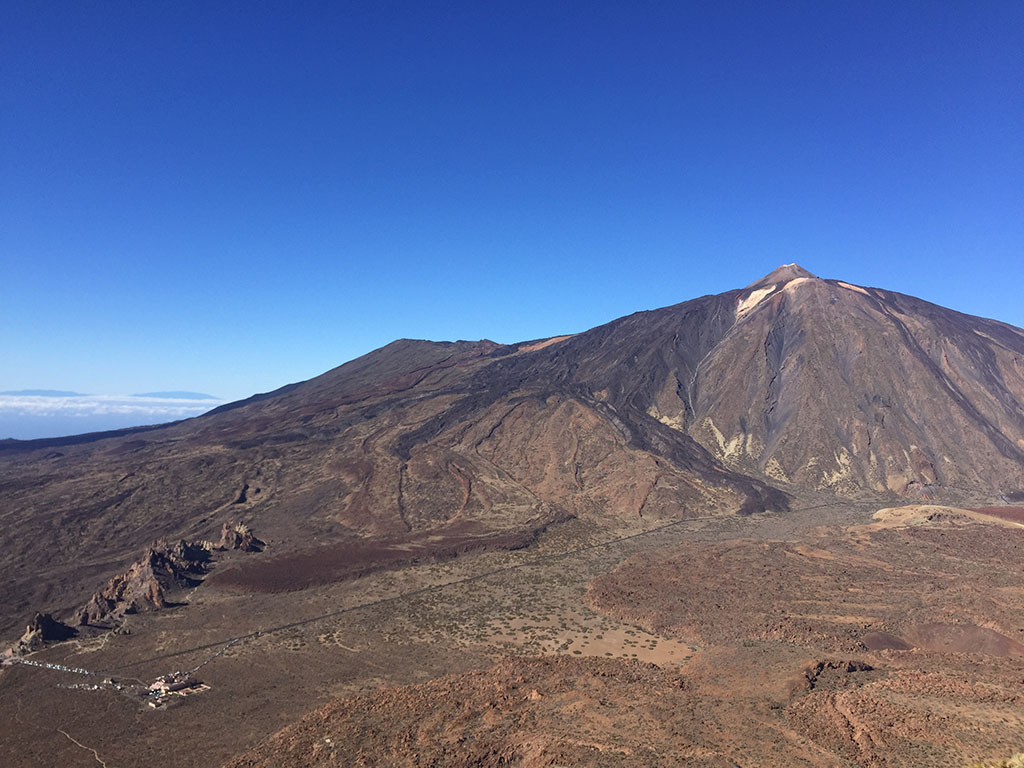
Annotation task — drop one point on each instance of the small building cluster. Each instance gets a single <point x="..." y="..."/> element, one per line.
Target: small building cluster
<point x="173" y="684"/>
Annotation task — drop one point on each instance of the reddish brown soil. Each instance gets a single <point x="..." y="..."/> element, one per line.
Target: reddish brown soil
<point x="331" y="563"/>
<point x="523" y="712"/>
<point x="883" y="641"/>
<point x="962" y="638"/>
<point x="759" y="705"/>
<point x="1013" y="514"/>
<point x="924" y="606"/>
<point x="829" y="591"/>
<point x="946" y="638"/>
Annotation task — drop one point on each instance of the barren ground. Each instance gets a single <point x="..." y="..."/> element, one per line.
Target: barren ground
<point x="751" y="659"/>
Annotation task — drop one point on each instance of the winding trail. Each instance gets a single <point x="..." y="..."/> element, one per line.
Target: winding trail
<point x="89" y="749"/>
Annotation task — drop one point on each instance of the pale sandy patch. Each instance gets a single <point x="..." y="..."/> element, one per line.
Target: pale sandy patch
<point x="816" y="554"/>
<point x="856" y="288"/>
<point x="546" y="343"/>
<point x="932" y="514"/>
<point x="798" y="281"/>
<point x="755" y="298"/>
<point x="674" y="422"/>
<point x="578" y="635"/>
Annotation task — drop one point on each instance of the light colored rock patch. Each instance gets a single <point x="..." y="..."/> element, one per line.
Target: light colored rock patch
<point x="842" y="472"/>
<point x="917" y="514"/>
<point x="856" y="288"/>
<point x="896" y="482"/>
<point x="727" y="448"/>
<point x="675" y="422"/>
<point x="796" y="282"/>
<point x="735" y="446"/>
<point x="932" y="515"/>
<point x="755" y="298"/>
<point x="545" y="343"/>
<point x="719" y="437"/>
<point x="773" y="469"/>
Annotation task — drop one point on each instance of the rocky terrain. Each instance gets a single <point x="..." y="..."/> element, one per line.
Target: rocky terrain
<point x="824" y="590"/>
<point x="719" y="488"/>
<point x="164" y="569"/>
<point x="785" y="673"/>
<point x="43" y="630"/>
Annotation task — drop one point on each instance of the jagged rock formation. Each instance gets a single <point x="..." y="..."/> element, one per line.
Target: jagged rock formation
<point x="142" y="587"/>
<point x="834" y="673"/>
<point x="165" y="566"/>
<point x="728" y="403"/>
<point x="41" y="630"/>
<point x="238" y="536"/>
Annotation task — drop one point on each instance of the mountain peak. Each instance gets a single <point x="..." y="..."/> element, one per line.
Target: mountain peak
<point x="782" y="274"/>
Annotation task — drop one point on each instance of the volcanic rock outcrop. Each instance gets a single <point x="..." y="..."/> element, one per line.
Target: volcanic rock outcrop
<point x="142" y="587"/>
<point x="41" y="630"/>
<point x="238" y="536"/>
<point x="165" y="566"/>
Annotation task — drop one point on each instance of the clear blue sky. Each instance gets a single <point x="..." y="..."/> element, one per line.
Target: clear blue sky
<point x="226" y="197"/>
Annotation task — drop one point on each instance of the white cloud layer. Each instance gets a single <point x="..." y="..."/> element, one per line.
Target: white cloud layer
<point x="150" y="408"/>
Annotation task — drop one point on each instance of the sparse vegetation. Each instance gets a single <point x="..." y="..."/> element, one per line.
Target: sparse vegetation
<point x="1016" y="761"/>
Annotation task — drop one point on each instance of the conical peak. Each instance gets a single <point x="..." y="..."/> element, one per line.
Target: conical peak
<point x="781" y="275"/>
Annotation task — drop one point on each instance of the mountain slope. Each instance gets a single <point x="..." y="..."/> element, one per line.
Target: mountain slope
<point x="849" y="387"/>
<point x="724" y="403"/>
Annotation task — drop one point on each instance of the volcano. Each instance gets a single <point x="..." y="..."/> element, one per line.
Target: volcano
<point x="724" y="404"/>
<point x="773" y="521"/>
